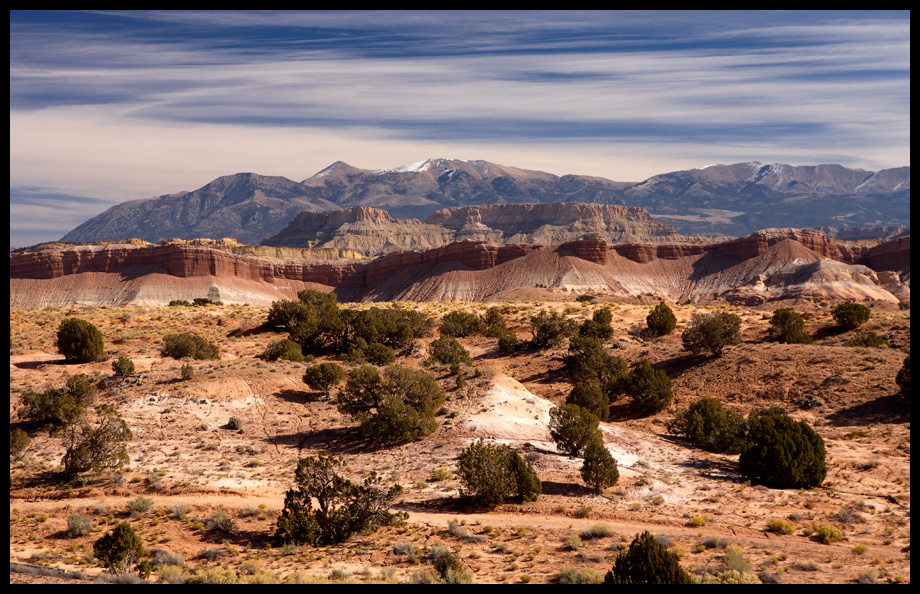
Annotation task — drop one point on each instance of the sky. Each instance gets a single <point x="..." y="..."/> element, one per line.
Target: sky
<point x="107" y="107"/>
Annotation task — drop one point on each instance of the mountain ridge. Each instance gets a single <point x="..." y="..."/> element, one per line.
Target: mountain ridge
<point x="714" y="200"/>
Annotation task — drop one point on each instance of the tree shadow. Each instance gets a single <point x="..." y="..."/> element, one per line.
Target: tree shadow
<point x="333" y="441"/>
<point x="32" y="365"/>
<point x="298" y="396"/>
<point x="677" y="366"/>
<point x="717" y="470"/>
<point x="894" y="408"/>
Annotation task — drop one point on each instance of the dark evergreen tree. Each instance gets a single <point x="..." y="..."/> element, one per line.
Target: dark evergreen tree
<point x="787" y="326"/>
<point x="648" y="389"/>
<point x="324" y="377"/>
<point x="573" y="428"/>
<point x="780" y="452"/>
<point x="707" y="424"/>
<point x="850" y="316"/>
<point x="599" y="469"/>
<point x="342" y="507"/>
<point x="711" y="333"/>
<point x="590" y="397"/>
<point x="646" y="561"/>
<point x="661" y="320"/>
<point x="119" y="550"/>
<point x="79" y="341"/>
<point x="903" y="377"/>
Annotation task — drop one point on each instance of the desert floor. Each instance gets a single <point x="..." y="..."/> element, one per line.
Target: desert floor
<point x="186" y="460"/>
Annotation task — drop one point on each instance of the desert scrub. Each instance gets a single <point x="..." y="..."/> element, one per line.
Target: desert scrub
<point x="599" y="530"/>
<point x="572" y="543"/>
<point x="569" y="575"/>
<point x="780" y="526"/>
<point x="235" y="424"/>
<point x="78" y="525"/>
<point x="827" y="533"/>
<point x="697" y="522"/>
<point x="139" y="506"/>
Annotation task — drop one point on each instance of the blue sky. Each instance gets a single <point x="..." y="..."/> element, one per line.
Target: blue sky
<point x="116" y="106"/>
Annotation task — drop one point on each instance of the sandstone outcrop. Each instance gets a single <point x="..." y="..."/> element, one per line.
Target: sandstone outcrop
<point x="770" y="265"/>
<point x="374" y="232"/>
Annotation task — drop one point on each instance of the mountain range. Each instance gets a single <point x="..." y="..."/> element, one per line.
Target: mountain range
<point x="732" y="200"/>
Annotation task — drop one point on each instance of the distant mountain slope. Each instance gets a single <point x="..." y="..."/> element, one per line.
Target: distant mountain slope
<point x="246" y="206"/>
<point x="374" y="232"/>
<point x="720" y="199"/>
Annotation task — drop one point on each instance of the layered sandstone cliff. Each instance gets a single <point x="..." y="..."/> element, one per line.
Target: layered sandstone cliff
<point x="773" y="264"/>
<point x="374" y="232"/>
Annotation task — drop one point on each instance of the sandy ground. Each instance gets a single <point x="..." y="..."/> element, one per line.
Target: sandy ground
<point x="185" y="459"/>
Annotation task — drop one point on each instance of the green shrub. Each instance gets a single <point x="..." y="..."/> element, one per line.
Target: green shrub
<point x="526" y="484"/>
<point x="123" y="367"/>
<point x="850" y="316"/>
<point x="549" y="329"/>
<point x="712" y="333"/>
<point x="179" y="303"/>
<point x="188" y="345"/>
<point x="57" y="409"/>
<point x="79" y="341"/>
<point x="398" y="406"/>
<point x="119" y="550"/>
<point x="787" y="326"/>
<point x="235" y="424"/>
<point x="868" y="340"/>
<point x="286" y="350"/>
<point x="781" y="452"/>
<point x="508" y="342"/>
<point x="203" y="301"/>
<point x="379" y="354"/>
<point x="646" y="561"/>
<point x="19" y="443"/>
<point x="588" y="362"/>
<point x="343" y="507"/>
<point x="100" y="446"/>
<point x="599" y="469"/>
<point x="598" y="326"/>
<point x="573" y="428"/>
<point x="661" y="321"/>
<point x="447" y="350"/>
<point x="324" y="377"/>
<point x="648" y="389"/>
<point x="460" y="324"/>
<point x="710" y="426"/>
<point x="903" y="377"/>
<point x="491" y="474"/>
<point x="590" y="397"/>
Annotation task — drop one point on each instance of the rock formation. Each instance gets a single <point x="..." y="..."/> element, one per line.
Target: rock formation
<point x="770" y="265"/>
<point x="732" y="200"/>
<point x="374" y="232"/>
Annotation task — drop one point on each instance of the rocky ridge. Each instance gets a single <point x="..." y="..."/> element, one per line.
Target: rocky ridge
<point x="770" y="265"/>
<point x="732" y="200"/>
<point x="374" y="232"/>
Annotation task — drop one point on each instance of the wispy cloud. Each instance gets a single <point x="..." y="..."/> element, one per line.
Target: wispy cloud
<point x="128" y="105"/>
